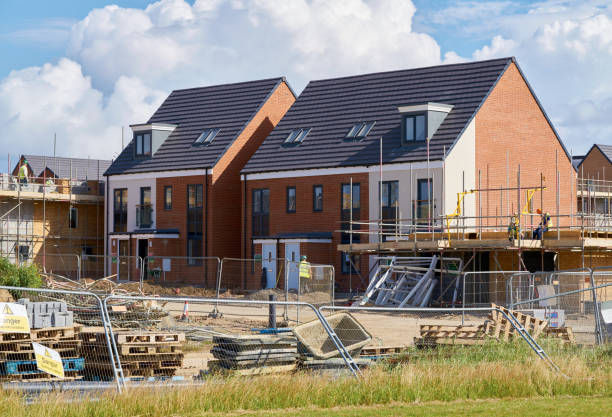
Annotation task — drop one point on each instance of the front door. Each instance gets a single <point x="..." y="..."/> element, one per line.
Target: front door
<point x="268" y="263"/>
<point x="292" y="256"/>
<point x="143" y="252"/>
<point x="123" y="267"/>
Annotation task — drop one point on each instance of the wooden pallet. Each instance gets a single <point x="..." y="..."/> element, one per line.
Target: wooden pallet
<point x="55" y="333"/>
<point x="500" y="328"/>
<point x="147" y="349"/>
<point x="13" y="337"/>
<point x="383" y="350"/>
<point x="566" y="334"/>
<point x="433" y="335"/>
<point x="148" y="337"/>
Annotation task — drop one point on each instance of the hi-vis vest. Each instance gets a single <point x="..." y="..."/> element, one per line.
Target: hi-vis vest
<point x="305" y="269"/>
<point x="23" y="171"/>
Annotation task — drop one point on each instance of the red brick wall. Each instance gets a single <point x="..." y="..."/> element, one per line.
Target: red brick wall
<point x="511" y="122"/>
<point x="304" y="220"/>
<point x="596" y="166"/>
<point x="225" y="208"/>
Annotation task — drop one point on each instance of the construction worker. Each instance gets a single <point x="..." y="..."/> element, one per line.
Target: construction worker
<point x="513" y="228"/>
<point x="23" y="172"/>
<point x="305" y="273"/>
<point x="544" y="225"/>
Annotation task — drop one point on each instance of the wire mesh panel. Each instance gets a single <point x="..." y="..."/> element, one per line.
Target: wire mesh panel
<point x="252" y="274"/>
<point x="485" y="287"/>
<point x="45" y="336"/>
<point x="199" y="271"/>
<point x="114" y="267"/>
<point x="188" y="341"/>
<point x="66" y="265"/>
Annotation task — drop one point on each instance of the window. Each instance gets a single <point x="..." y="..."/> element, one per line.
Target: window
<point x="296" y="136"/>
<point x="143" y="144"/>
<point x="206" y="136"/>
<point x="144" y="211"/>
<point x="73" y="218"/>
<point x="168" y="197"/>
<point x="86" y="252"/>
<point x="414" y="128"/>
<point x="261" y="211"/>
<point x="120" y="210"/>
<point x="195" y="213"/>
<point x="390" y="205"/>
<point x="423" y="203"/>
<point x="349" y="263"/>
<point x="317" y="198"/>
<point x="360" y="130"/>
<point x="290" y="199"/>
<point x="348" y="210"/>
<point x="23" y="251"/>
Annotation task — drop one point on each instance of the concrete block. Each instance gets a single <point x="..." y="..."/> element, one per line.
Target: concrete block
<point x="63" y="307"/>
<point x="40" y="307"/>
<point x="61" y="319"/>
<point x="23" y="301"/>
<point x="42" y="320"/>
<point x="30" y="318"/>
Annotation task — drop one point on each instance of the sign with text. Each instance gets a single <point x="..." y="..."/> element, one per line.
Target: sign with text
<point x="48" y="360"/>
<point x="14" y="318"/>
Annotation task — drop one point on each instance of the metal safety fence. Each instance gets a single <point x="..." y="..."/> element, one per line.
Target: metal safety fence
<point x="252" y="274"/>
<point x="64" y="264"/>
<point x="202" y="272"/>
<point x="50" y="337"/>
<point x="118" y="268"/>
<point x="485" y="287"/>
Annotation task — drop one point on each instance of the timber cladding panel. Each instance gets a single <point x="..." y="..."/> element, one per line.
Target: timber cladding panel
<point x="510" y="125"/>
<point x="305" y="220"/>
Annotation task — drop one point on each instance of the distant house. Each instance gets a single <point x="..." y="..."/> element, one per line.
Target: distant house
<point x="594" y="176"/>
<point x="174" y="191"/>
<point x="444" y="129"/>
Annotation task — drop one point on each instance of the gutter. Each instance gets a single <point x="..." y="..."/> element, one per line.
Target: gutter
<point x="206" y="213"/>
<point x="244" y="228"/>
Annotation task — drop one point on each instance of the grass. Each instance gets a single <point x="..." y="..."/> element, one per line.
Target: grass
<point x="447" y="378"/>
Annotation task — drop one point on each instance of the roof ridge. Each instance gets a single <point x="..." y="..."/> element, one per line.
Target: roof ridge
<point x="281" y="78"/>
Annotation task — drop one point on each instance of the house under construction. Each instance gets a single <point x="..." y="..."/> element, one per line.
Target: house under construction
<point x="50" y="209"/>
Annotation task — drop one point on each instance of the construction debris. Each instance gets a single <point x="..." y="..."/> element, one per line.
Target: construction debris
<point x="498" y="326"/>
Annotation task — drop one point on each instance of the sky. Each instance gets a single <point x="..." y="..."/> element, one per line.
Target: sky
<point x="82" y="70"/>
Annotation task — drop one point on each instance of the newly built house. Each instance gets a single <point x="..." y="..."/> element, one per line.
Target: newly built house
<point x="51" y="212"/>
<point x="594" y="182"/>
<point x="174" y="191"/>
<point x="425" y="160"/>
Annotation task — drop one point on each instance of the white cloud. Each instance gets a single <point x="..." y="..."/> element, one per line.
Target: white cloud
<point x="37" y="102"/>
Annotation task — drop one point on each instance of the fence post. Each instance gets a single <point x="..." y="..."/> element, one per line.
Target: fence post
<point x="598" y="332"/>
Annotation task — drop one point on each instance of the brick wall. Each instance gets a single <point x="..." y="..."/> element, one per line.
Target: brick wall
<point x="596" y="166"/>
<point x="511" y="125"/>
<point x="305" y="220"/>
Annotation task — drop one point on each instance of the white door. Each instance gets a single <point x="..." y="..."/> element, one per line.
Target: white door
<point x="269" y="263"/>
<point x="292" y="255"/>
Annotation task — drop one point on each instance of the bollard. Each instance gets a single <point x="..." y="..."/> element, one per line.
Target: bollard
<point x="272" y="312"/>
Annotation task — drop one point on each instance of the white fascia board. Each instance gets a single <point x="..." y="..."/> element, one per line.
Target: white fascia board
<point x="305" y="240"/>
<point x="156" y="236"/>
<point x="341" y="171"/>
<point x="153" y="126"/>
<point x="159" y="174"/>
<point x="120" y="237"/>
<point x="263" y="241"/>
<point x="445" y="108"/>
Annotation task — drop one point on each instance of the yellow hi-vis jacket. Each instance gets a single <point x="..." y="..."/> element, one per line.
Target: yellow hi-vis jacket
<point x="305" y="270"/>
<point x="23" y="171"/>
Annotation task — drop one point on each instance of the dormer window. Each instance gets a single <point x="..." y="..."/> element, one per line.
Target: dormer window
<point x="206" y="137"/>
<point x="296" y="136"/>
<point x="414" y="128"/>
<point x="143" y="144"/>
<point x="360" y="130"/>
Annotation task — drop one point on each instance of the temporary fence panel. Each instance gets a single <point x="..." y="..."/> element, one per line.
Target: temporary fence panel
<point x="438" y="335"/>
<point x="179" y="339"/>
<point x="55" y="336"/>
<point x="482" y="288"/>
<point x="114" y="267"/>
<point x="252" y="274"/>
<point x="198" y="271"/>
<point x="65" y="264"/>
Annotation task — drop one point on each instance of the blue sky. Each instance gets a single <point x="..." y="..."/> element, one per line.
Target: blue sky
<point x="83" y="69"/>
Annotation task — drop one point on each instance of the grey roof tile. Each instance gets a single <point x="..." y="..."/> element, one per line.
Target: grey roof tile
<point x="228" y="107"/>
<point x="82" y="168"/>
<point x="330" y="107"/>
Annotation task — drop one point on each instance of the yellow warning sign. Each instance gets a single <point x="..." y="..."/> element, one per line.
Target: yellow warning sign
<point x="48" y="360"/>
<point x="14" y="318"/>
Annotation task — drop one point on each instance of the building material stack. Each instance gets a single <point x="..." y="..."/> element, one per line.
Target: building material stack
<point x="142" y="353"/>
<point x="254" y="354"/>
<point x="51" y="326"/>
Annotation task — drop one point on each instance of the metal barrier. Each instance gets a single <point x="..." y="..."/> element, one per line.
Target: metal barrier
<point x="65" y="264"/>
<point x="199" y="271"/>
<point x="252" y="274"/>
<point x="116" y="267"/>
<point x="316" y="290"/>
<point x="71" y="328"/>
<point x="179" y="331"/>
<point x="485" y="287"/>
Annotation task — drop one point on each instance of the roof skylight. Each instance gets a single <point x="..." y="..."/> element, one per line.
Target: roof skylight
<point x="360" y="130"/>
<point x="296" y="136"/>
<point x="206" y="136"/>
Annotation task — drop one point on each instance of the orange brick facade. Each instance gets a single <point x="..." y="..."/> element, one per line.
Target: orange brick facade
<point x="511" y="130"/>
<point x="596" y="166"/>
<point x="305" y="220"/>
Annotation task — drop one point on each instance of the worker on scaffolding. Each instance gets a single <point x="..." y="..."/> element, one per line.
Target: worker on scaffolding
<point x="513" y="228"/>
<point x="544" y="225"/>
<point x="23" y="172"/>
<point x="305" y="272"/>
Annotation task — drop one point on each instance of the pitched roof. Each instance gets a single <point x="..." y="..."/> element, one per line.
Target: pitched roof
<point x="228" y="107"/>
<point x="82" y="169"/>
<point x="606" y="150"/>
<point x="330" y="107"/>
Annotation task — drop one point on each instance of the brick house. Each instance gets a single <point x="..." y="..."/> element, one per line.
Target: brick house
<point x="445" y="129"/>
<point x="594" y="180"/>
<point x="174" y="191"/>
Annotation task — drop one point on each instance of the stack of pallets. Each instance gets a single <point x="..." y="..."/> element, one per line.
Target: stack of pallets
<point x="17" y="361"/>
<point x="253" y="354"/>
<point x="565" y="334"/>
<point x="433" y="335"/>
<point x="142" y="354"/>
<point x="498" y="326"/>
